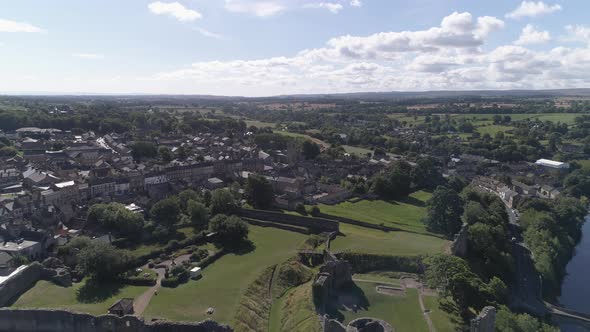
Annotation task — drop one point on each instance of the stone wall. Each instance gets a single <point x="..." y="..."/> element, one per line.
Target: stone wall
<point x="29" y="320"/>
<point x="277" y="225"/>
<point x="359" y="223"/>
<point x="459" y="244"/>
<point x="19" y="283"/>
<point x="485" y="321"/>
<point x="314" y="224"/>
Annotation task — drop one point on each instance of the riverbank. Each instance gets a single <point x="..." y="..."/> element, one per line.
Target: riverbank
<point x="574" y="287"/>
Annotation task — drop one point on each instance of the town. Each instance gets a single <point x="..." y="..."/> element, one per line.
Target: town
<point x="188" y="213"/>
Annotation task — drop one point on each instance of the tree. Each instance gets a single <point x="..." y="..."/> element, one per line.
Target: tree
<point x="230" y="230"/>
<point x="166" y="212"/>
<point x="116" y="218"/>
<point x="425" y="174"/>
<point x="187" y="195"/>
<point x="198" y="213"/>
<point x="444" y="209"/>
<point x="395" y="182"/>
<point x="222" y="201"/>
<point x="165" y="154"/>
<point x="101" y="261"/>
<point x="310" y="150"/>
<point x="315" y="211"/>
<point x="141" y="150"/>
<point x="259" y="192"/>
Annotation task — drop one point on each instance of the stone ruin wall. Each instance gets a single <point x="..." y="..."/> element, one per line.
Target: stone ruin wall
<point x="29" y="320"/>
<point x="485" y="321"/>
<point x="459" y="244"/>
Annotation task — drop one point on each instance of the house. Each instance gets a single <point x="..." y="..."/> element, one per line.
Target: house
<point x="29" y="249"/>
<point x="122" y="307"/>
<point x="547" y="191"/>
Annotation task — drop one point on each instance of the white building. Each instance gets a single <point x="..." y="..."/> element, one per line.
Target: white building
<point x="552" y="164"/>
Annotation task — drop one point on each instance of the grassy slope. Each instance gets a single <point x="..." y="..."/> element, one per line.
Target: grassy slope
<point x="359" y="239"/>
<point x="403" y="313"/>
<point x="406" y="214"/>
<point x="294" y="311"/>
<point x="443" y="322"/>
<point x="225" y="281"/>
<point x="48" y="295"/>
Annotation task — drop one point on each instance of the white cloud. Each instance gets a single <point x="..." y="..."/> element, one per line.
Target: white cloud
<point x="13" y="26"/>
<point x="208" y="33"/>
<point x="175" y="10"/>
<point x="533" y="9"/>
<point x="333" y="7"/>
<point x="89" y="56"/>
<point x="530" y="35"/>
<point x="257" y="8"/>
<point x="578" y="33"/>
<point x="356" y="3"/>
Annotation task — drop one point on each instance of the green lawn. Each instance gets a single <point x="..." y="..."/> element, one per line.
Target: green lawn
<point x="225" y="281"/>
<point x="443" y="321"/>
<point x="406" y="214"/>
<point x="294" y="311"/>
<point x="493" y="129"/>
<point x="79" y="297"/>
<point x="361" y="152"/>
<point x="403" y="313"/>
<point x="259" y="124"/>
<point x="371" y="241"/>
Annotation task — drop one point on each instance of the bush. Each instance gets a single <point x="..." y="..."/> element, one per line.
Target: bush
<point x="198" y="255"/>
<point x="300" y="208"/>
<point x="315" y="211"/>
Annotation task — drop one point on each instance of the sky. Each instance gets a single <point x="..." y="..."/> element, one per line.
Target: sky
<point x="277" y="47"/>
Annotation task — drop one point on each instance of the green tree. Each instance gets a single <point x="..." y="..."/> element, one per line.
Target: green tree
<point x="165" y="154"/>
<point x="444" y="209"/>
<point x="230" y="230"/>
<point x="310" y="150"/>
<point x="198" y="213"/>
<point x="259" y="192"/>
<point x="222" y="201"/>
<point x="187" y="195"/>
<point x="166" y="212"/>
<point x="116" y="218"/>
<point x="142" y="150"/>
<point x="101" y="261"/>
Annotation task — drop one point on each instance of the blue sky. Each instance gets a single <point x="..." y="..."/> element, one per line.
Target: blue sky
<point x="271" y="47"/>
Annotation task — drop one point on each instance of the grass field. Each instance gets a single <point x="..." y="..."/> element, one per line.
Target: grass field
<point x="79" y="297"/>
<point x="406" y="214"/>
<point x="294" y="311"/>
<point x="492" y="130"/>
<point x="364" y="240"/>
<point x="259" y="124"/>
<point x="361" y="152"/>
<point x="225" y="281"/>
<point x="403" y="313"/>
<point x="443" y="321"/>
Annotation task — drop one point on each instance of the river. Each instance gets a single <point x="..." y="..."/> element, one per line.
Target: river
<point x="575" y="291"/>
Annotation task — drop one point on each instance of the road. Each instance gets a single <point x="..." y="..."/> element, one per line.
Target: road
<point x="527" y="283"/>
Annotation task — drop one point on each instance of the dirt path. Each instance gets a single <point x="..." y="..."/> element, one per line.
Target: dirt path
<point x="424" y="312"/>
<point x="141" y="302"/>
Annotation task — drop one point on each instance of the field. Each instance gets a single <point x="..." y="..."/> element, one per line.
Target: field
<point x="80" y="297"/>
<point x="364" y="240"/>
<point x="443" y="321"/>
<point x="405" y="214"/>
<point x="403" y="313"/>
<point x="225" y="281"/>
<point x="361" y="152"/>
